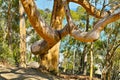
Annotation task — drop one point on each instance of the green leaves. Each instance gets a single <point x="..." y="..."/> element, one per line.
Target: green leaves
<point x="46" y="14"/>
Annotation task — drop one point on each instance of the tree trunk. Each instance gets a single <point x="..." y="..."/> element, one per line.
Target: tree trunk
<point x="51" y="59"/>
<point x="22" y="36"/>
<point x="109" y="62"/>
<point x="9" y="26"/>
<point x="52" y="36"/>
<point x="84" y="55"/>
<point x="85" y="64"/>
<point x="74" y="62"/>
<point x="91" y="62"/>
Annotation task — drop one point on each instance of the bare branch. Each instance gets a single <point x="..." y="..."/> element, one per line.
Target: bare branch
<point x="51" y="36"/>
<point x="46" y="32"/>
<point x="68" y="15"/>
<point x="42" y="46"/>
<point x="95" y="33"/>
<point x="92" y="10"/>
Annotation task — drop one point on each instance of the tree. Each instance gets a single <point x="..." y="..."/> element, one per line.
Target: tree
<point x="91" y="62"/>
<point x="22" y="36"/>
<point x="9" y="20"/>
<point x="50" y="60"/>
<point x="9" y="16"/>
<point x="110" y="46"/>
<point x="52" y="36"/>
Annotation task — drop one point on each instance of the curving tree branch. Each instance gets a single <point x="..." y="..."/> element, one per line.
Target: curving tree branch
<point x="94" y="34"/>
<point x="45" y="31"/>
<point x="92" y="9"/>
<point x="52" y="36"/>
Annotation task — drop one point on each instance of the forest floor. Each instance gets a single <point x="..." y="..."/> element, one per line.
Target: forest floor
<point x="16" y="73"/>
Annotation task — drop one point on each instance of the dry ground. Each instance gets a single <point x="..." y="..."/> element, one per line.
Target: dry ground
<point x="16" y="73"/>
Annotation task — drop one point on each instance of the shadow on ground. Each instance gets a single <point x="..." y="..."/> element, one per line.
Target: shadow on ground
<point x="15" y="73"/>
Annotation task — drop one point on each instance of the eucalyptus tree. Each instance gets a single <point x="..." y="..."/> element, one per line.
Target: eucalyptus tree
<point x="52" y="36"/>
<point x="9" y="17"/>
<point x="110" y="46"/>
<point x="22" y="36"/>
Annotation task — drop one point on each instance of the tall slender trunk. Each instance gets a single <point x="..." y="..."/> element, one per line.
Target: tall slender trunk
<point x="84" y="55"/>
<point x="22" y="36"/>
<point x="9" y="26"/>
<point x="83" y="61"/>
<point x="74" y="55"/>
<point x="91" y="62"/>
<point x="85" y="64"/>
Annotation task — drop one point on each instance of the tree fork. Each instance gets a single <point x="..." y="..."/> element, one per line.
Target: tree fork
<point x="52" y="56"/>
<point x="51" y="36"/>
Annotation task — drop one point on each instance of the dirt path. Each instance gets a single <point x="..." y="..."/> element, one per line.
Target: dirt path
<point x="15" y="73"/>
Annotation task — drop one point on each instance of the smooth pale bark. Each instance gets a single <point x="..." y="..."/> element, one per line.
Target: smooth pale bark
<point x="52" y="36"/>
<point x="90" y="36"/>
<point x="51" y="59"/>
<point x="94" y="34"/>
<point x="92" y="9"/>
<point x="56" y="23"/>
<point x="42" y="46"/>
<point x="45" y="31"/>
<point x="22" y="36"/>
<point x="85" y="59"/>
<point x="91" y="62"/>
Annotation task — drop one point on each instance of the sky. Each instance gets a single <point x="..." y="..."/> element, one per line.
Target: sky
<point x="43" y="4"/>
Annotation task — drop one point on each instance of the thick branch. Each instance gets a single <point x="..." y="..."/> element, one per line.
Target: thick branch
<point x="92" y="9"/>
<point x="57" y="15"/>
<point x="51" y="36"/>
<point x="46" y="32"/>
<point x="95" y="33"/>
<point x="42" y="46"/>
<point x="67" y="12"/>
<point x="90" y="36"/>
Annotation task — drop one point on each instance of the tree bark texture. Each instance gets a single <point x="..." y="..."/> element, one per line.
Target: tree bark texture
<point x="22" y="36"/>
<point x="91" y="62"/>
<point x="51" y="59"/>
<point x="52" y="36"/>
